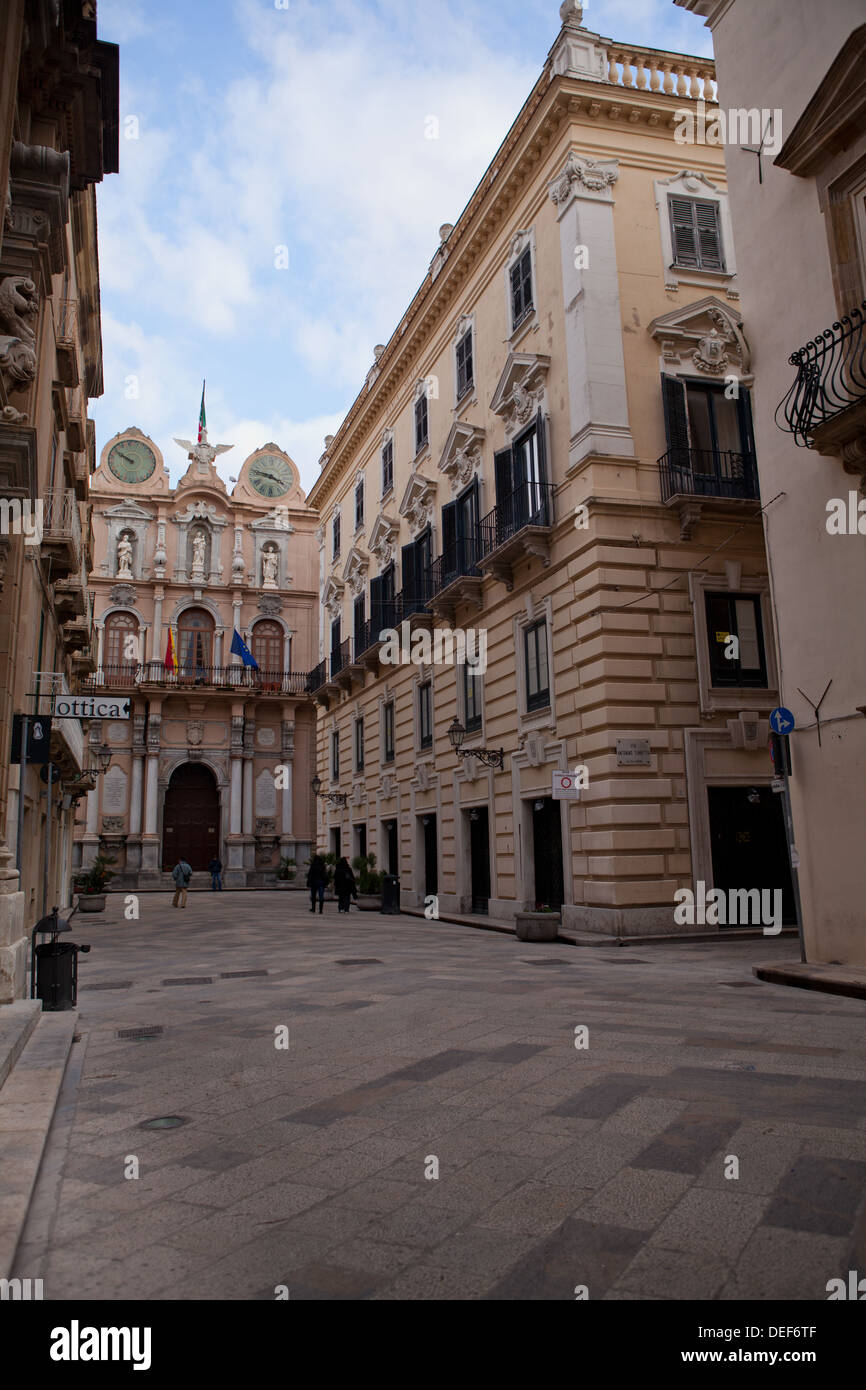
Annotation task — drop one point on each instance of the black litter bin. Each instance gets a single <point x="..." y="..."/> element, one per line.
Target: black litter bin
<point x="54" y="966"/>
<point x="391" y="895"/>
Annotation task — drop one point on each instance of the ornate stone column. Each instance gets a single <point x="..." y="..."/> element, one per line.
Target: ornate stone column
<point x="234" y="875"/>
<point x="287" y="793"/>
<point x="150" y="857"/>
<point x="133" y="844"/>
<point x="249" y="821"/>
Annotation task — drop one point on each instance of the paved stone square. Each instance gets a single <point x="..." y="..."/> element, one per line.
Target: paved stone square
<point x="414" y="1045"/>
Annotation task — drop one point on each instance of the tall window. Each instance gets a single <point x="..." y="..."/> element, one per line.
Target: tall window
<point x="336" y="537"/>
<point x="335" y="756"/>
<point x="422" y="422"/>
<point x="267" y="648"/>
<point x="195" y="642"/>
<point x="465" y="366"/>
<point x="710" y="436"/>
<point x="359" y="744"/>
<point x="359" y="504"/>
<point x="741" y="662"/>
<point x="521" y="288"/>
<point x="520" y="475"/>
<point x="388" y="732"/>
<point x="425" y="715"/>
<point x="472" y="709"/>
<point x="416" y="561"/>
<point x="122" y="648"/>
<point x="387" y="467"/>
<point x="697" y="233"/>
<point x="537" y="678"/>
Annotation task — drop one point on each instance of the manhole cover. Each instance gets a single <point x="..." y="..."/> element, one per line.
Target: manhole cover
<point x="135" y="1033"/>
<point x="164" y="1122"/>
<point x="191" y="980"/>
<point x="361" y="960"/>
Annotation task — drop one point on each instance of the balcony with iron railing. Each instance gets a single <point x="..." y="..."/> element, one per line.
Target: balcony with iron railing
<point x="454" y="578"/>
<point x="519" y="528"/>
<point x="66" y="341"/>
<point x="825" y="408"/>
<point x="131" y="676"/>
<point x="725" y="474"/>
<point x="61" y="532"/>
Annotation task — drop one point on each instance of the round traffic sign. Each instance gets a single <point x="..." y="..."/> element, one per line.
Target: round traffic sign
<point x="782" y="720"/>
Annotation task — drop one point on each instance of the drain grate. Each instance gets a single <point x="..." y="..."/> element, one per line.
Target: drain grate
<point x="133" y="1034"/>
<point x="108" y="984"/>
<point x="191" y="980"/>
<point x="240" y="974"/>
<point x="359" y="960"/>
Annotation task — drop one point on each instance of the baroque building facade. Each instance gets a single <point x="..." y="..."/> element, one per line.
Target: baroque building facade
<point x="216" y="756"/>
<point x="801" y="233"/>
<point x="58" y="138"/>
<point x="552" y="460"/>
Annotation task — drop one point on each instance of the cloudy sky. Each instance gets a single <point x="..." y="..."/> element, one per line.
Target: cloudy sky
<point x="279" y="197"/>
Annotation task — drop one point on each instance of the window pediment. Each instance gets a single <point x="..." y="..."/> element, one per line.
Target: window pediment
<point x="461" y="457"/>
<point x="418" y="501"/>
<point x="383" y="538"/>
<point x="707" y="335"/>
<point x="355" y="570"/>
<point x="521" y="387"/>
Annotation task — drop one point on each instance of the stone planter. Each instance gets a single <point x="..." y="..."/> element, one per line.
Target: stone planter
<point x="370" y="902"/>
<point x="91" y="902"/>
<point x="537" y="926"/>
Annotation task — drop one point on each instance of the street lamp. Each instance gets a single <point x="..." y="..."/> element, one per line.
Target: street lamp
<point x="316" y="784"/>
<point x="333" y="798"/>
<point x="490" y="757"/>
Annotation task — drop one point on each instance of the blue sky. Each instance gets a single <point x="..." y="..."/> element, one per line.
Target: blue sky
<point x="260" y="132"/>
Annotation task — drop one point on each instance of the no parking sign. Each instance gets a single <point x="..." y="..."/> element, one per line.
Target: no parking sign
<point x="566" y="786"/>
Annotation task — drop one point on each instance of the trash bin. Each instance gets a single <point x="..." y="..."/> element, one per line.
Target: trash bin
<point x="54" y="966"/>
<point x="391" y="895"/>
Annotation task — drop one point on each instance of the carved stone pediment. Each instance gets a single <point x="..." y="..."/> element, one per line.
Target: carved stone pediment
<point x="707" y="334"/>
<point x="201" y="511"/>
<point x="383" y="538"/>
<point x="333" y="597"/>
<point x="276" y="520"/>
<point x="461" y="458"/>
<point x="520" y="390"/>
<point x="419" y="501"/>
<point x="582" y="176"/>
<point x="270" y="605"/>
<point x="124" y="594"/>
<point x="128" y="511"/>
<point x="355" y="570"/>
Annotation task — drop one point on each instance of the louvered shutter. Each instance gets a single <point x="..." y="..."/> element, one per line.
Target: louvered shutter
<point x="683" y="232"/>
<point x="676" y="419"/>
<point x="709" y="236"/>
<point x="375" y="607"/>
<point x="408" y="573"/>
<point x="360" y="619"/>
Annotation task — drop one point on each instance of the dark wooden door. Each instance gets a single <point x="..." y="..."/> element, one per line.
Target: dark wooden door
<point x="750" y="848"/>
<point x="479" y="846"/>
<point x="547" y="845"/>
<point x="431" y="857"/>
<point x="191" y="818"/>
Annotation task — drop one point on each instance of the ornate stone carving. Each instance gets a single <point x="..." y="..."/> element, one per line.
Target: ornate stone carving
<point x="124" y="558"/>
<point x="270" y="605"/>
<point x="355" y="571"/>
<point x="18" y="309"/>
<point x="383" y="539"/>
<point x="707" y="333"/>
<point x="333" y="598"/>
<point x="270" y="567"/>
<point x="718" y="347"/>
<point x="203" y="453"/>
<point x="583" y="173"/>
<point x="124" y="594"/>
<point x="194" y="732"/>
<point x="571" y="14"/>
<point x="520" y="391"/>
<point x="461" y="458"/>
<point x="418" y="502"/>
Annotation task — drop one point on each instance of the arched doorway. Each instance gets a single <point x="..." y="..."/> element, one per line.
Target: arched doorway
<point x="191" y="818"/>
<point x="122" y="651"/>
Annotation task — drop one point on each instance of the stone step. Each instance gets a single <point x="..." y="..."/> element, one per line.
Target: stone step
<point x="27" y="1103"/>
<point x="17" y="1022"/>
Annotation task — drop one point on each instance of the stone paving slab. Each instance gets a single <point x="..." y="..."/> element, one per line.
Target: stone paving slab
<point x="432" y="1131"/>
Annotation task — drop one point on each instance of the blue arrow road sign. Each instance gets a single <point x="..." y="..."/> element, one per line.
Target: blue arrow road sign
<point x="782" y="721"/>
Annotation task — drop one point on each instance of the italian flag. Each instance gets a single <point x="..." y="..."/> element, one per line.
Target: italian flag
<point x="202" y="422"/>
<point x="170" y="662"/>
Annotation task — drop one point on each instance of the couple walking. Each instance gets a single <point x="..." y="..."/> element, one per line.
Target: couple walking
<point x="344" y="883"/>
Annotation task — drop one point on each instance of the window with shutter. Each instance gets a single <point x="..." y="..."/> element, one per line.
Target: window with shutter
<point x="465" y="368"/>
<point x="521" y="288"/>
<point x="360" y="618"/>
<point x="676" y="417"/>
<point x="408" y="573"/>
<point x="696" y="233"/>
<point x="387" y="468"/>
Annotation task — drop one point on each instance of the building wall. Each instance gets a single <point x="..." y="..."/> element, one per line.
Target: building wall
<point x="584" y="166"/>
<point x="57" y="140"/>
<point x="775" y="56"/>
<point x="253" y="729"/>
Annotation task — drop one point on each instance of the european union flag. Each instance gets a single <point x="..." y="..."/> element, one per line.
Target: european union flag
<point x="240" y="648"/>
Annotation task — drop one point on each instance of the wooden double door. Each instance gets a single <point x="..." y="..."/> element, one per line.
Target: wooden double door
<point x="191" y="818"/>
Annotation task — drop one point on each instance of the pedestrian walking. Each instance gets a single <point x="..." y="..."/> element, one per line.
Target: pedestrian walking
<point x="215" y="869"/>
<point x="316" y="880"/>
<point x="344" y="884"/>
<point x="181" y="873"/>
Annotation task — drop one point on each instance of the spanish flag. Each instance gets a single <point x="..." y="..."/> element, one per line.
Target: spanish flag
<point x="170" y="662"/>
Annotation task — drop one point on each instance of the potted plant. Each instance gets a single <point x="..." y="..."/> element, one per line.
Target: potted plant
<point x="369" y="883"/>
<point x="90" y="884"/>
<point x="540" y="925"/>
<point x="287" y="871"/>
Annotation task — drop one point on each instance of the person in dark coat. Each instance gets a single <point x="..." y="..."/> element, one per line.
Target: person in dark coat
<point x="344" y="885"/>
<point x="317" y="877"/>
<point x="215" y="869"/>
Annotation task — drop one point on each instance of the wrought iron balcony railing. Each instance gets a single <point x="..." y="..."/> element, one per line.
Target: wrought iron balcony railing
<point x="831" y="377"/>
<point x="128" y="675"/>
<point x="708" y="473"/>
<point x="341" y="657"/>
<point x="529" y="505"/>
<point x="456" y="562"/>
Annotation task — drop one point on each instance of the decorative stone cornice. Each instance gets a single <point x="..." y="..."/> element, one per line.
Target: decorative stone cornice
<point x="355" y="571"/>
<point x="418" y="502"/>
<point x="520" y="390"/>
<point x="708" y="334"/>
<point x="383" y="539"/>
<point x="583" y="177"/>
<point x="461" y="458"/>
<point x="332" y="598"/>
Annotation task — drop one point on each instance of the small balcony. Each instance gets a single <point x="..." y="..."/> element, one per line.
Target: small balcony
<point x="76" y="429"/>
<point x="705" y="473"/>
<point x="71" y="594"/>
<point x="387" y="617"/>
<point x="61" y="533"/>
<point x="455" y="579"/>
<point x="825" y="408"/>
<point x="66" y="341"/>
<point x="235" y="678"/>
<point x="519" y="528"/>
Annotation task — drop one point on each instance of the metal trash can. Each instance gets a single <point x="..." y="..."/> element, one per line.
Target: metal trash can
<point x="391" y="895"/>
<point x="54" y="966"/>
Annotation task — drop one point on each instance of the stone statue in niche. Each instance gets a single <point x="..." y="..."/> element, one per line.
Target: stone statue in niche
<point x="198" y="556"/>
<point x="124" y="558"/>
<point x="270" y="563"/>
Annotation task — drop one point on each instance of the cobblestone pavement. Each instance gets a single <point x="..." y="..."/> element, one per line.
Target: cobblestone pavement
<point x="410" y="1041"/>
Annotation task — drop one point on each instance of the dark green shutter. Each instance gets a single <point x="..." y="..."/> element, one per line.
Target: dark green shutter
<point x="709" y="236"/>
<point x="676" y="414"/>
<point x="683" y="232"/>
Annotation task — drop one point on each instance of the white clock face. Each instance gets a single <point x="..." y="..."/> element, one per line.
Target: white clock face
<point x="271" y="476"/>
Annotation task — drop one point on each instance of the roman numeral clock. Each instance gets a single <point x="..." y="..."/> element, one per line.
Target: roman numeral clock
<point x="270" y="476"/>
